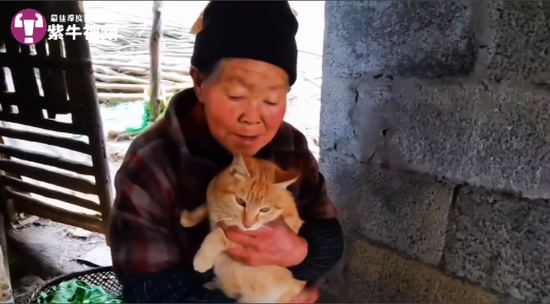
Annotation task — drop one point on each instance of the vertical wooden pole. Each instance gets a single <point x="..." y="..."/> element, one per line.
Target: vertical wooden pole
<point x="6" y="292"/>
<point x="81" y="87"/>
<point x="154" y="49"/>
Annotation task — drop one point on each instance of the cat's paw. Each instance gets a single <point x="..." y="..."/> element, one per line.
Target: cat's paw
<point x="186" y="220"/>
<point x="202" y="264"/>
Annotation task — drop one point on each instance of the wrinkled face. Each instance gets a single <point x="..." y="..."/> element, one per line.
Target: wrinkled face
<point x="245" y="103"/>
<point x="250" y="200"/>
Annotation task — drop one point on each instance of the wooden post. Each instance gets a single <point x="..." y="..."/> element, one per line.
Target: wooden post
<point x="154" y="48"/>
<point x="9" y="209"/>
<point x="81" y="86"/>
<point x="6" y="292"/>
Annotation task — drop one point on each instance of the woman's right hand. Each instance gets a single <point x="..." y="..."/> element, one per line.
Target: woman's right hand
<point x="308" y="295"/>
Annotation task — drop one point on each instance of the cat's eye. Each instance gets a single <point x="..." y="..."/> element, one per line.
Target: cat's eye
<point x="266" y="209"/>
<point x="241" y="202"/>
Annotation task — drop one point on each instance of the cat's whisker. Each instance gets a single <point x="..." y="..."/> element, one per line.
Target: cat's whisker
<point x="224" y="219"/>
<point x="268" y="227"/>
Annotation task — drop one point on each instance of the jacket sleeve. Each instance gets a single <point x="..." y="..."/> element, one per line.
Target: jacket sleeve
<point x="145" y="252"/>
<point x="321" y="229"/>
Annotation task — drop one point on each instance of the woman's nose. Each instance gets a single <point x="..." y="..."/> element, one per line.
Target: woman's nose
<point x="251" y="119"/>
<point x="251" y="114"/>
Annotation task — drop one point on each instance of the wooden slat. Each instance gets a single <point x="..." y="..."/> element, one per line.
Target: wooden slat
<point x="24" y="82"/>
<point x="55" y="178"/>
<point x="3" y="88"/>
<point x="27" y="204"/>
<point x="18" y="60"/>
<point x="24" y="186"/>
<point x="50" y="84"/>
<point x="41" y="158"/>
<point x="45" y="103"/>
<point x="67" y="143"/>
<point x="59" y="85"/>
<point x="44" y="123"/>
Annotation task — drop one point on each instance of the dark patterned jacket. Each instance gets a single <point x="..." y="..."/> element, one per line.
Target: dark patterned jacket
<point x="167" y="169"/>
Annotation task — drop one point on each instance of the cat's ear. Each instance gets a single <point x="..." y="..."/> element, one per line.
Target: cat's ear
<point x="238" y="167"/>
<point x="283" y="179"/>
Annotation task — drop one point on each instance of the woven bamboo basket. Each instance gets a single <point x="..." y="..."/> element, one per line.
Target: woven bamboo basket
<point x="103" y="277"/>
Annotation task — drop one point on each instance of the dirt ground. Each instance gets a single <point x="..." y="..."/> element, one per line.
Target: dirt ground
<point x="39" y="249"/>
<point x="42" y="249"/>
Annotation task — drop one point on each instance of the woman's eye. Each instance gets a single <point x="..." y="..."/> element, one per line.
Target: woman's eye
<point x="235" y="98"/>
<point x="241" y="202"/>
<point x="266" y="209"/>
<point x="271" y="103"/>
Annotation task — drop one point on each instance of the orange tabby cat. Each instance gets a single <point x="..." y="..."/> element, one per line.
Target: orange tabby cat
<point x="250" y="193"/>
<point x="197" y="26"/>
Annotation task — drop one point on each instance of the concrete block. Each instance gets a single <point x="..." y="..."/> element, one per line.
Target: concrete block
<point x="424" y="39"/>
<point x="405" y="211"/>
<point x="379" y="275"/>
<point x="517" y="44"/>
<point x="501" y="242"/>
<point x="495" y="137"/>
<point x="338" y="97"/>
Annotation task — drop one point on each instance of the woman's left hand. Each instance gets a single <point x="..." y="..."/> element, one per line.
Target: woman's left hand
<point x="275" y="244"/>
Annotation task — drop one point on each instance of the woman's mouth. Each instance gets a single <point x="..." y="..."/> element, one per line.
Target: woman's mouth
<point x="247" y="139"/>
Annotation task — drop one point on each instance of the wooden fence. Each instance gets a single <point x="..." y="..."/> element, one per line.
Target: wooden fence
<point x="38" y="83"/>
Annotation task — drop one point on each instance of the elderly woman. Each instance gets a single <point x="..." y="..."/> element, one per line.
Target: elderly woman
<point x="243" y="65"/>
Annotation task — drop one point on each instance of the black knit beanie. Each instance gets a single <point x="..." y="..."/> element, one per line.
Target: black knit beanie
<point x="259" y="30"/>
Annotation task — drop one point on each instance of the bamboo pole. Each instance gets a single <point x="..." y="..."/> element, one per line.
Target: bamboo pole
<point x="120" y="64"/>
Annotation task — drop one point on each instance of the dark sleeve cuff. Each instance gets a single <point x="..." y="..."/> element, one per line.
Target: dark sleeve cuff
<point x="325" y="248"/>
<point x="172" y="286"/>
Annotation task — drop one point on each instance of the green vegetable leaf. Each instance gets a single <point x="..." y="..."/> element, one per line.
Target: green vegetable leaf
<point x="77" y="291"/>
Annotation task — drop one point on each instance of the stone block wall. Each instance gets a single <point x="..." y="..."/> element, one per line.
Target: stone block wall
<point x="435" y="143"/>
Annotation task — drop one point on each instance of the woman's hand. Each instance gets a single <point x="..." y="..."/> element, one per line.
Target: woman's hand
<point x="308" y="295"/>
<point x="275" y="244"/>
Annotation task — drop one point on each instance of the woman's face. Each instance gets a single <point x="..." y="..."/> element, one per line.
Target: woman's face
<point x="245" y="102"/>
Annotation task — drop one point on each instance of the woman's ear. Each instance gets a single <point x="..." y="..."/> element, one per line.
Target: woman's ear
<point x="197" y="82"/>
